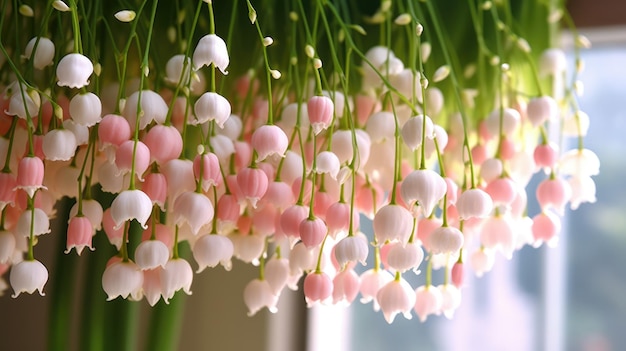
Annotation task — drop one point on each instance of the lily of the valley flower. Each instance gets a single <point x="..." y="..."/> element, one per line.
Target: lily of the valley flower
<point x="211" y="50"/>
<point x="28" y="276"/>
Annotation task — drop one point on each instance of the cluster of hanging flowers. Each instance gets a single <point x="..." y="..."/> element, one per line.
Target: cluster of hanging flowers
<point x="279" y="165"/>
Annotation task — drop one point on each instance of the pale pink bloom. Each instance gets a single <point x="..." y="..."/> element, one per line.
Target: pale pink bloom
<point x="395" y="297"/>
<point x="450" y="299"/>
<point x="327" y="162"/>
<point x="546" y="155"/>
<point x="269" y="141"/>
<point x="7" y="246"/>
<point x="445" y="240"/>
<point x="291" y="218"/>
<point x="576" y="125"/>
<point x="482" y="261"/>
<point x="402" y="258"/>
<point x="491" y="169"/>
<point x="38" y="221"/>
<point x="248" y="247"/>
<point x="452" y="191"/>
<point x="211" y="107"/>
<point x="174" y="73"/>
<point x="338" y="218"/>
<point x="228" y="211"/>
<point x="176" y="275"/>
<point x="301" y="259"/>
<point x="8" y="184"/>
<point x="124" y="158"/>
<point x="113" y="130"/>
<point x="474" y="203"/>
<point x="92" y="209"/>
<point x="30" y="172"/>
<point x="393" y="222"/>
<point x="211" y="50"/>
<point x="428" y="300"/>
<point x="253" y="184"/>
<point x="73" y="71"/>
<point x="122" y="278"/>
<point x="164" y="142"/>
<point x="264" y="220"/>
<point x="510" y="122"/>
<point x="320" y="112"/>
<point x="179" y="176"/>
<point x="193" y="208"/>
<point x="424" y="186"/>
<point x="243" y="155"/>
<point x="279" y="195"/>
<point x="206" y="168"/>
<point x="339" y="101"/>
<point x="554" y="193"/>
<point x="522" y="167"/>
<point x="277" y="273"/>
<point x="318" y="287"/>
<point x="86" y="109"/>
<point x="59" y="145"/>
<point x="406" y="82"/>
<point x="155" y="186"/>
<point x="129" y="205"/>
<point x="502" y="191"/>
<point x="162" y="232"/>
<point x="210" y="250"/>
<point x="579" y="163"/>
<point x="28" y="276"/>
<point x="412" y="131"/>
<point x="345" y="287"/>
<point x="152" y="285"/>
<point x="312" y="231"/>
<point x="383" y="62"/>
<point x="151" y="254"/>
<point x="371" y="281"/>
<point x="232" y="128"/>
<point x="479" y="154"/>
<point x="79" y="234"/>
<point x="497" y="233"/>
<point x="292" y="167"/>
<point x="542" y="109"/>
<point x="583" y="190"/>
<point x="44" y="54"/>
<point x="113" y="233"/>
<point x="152" y="108"/>
<point x="343" y="147"/>
<point x="457" y="273"/>
<point x="381" y="126"/>
<point x="258" y="294"/>
<point x="546" y="227"/>
<point x="352" y="249"/>
<point x="425" y="228"/>
<point x="108" y="178"/>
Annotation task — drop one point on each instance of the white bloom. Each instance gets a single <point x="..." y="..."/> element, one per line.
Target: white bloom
<point x="125" y="15"/>
<point x="86" y="109"/>
<point x="176" y="275"/>
<point x="153" y="108"/>
<point x="74" y="70"/>
<point x="151" y="254"/>
<point x="211" y="49"/>
<point x="131" y="204"/>
<point x="59" y="145"/>
<point x="122" y="279"/>
<point x="28" y="276"/>
<point x="43" y="55"/>
<point x="212" y="106"/>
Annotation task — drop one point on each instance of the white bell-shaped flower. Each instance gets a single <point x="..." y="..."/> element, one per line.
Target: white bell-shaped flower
<point x="474" y="203"/>
<point x="402" y="257"/>
<point x="59" y="145"/>
<point x="258" y="294"/>
<point x="151" y="254"/>
<point x="211" y="107"/>
<point x="579" y="163"/>
<point x="445" y="240"/>
<point x="277" y="273"/>
<point x="28" y="276"/>
<point x="428" y="301"/>
<point x="176" y="275"/>
<point x="482" y="261"/>
<point x="122" y="278"/>
<point x="352" y="249"/>
<point x="381" y="126"/>
<point x="23" y="103"/>
<point x="412" y="131"/>
<point x="129" y="205"/>
<point x="43" y="55"/>
<point x="327" y="162"/>
<point x="552" y="62"/>
<point x="211" y="250"/>
<point x="393" y="223"/>
<point x="81" y="132"/>
<point x="424" y="186"/>
<point x="211" y="49"/>
<point x="395" y="297"/>
<point x="342" y="146"/>
<point x="542" y="109"/>
<point x="450" y="299"/>
<point x="174" y="70"/>
<point x="153" y="108"/>
<point x="510" y="121"/>
<point x="86" y="109"/>
<point x="193" y="208"/>
<point x="74" y="71"/>
<point x="40" y="226"/>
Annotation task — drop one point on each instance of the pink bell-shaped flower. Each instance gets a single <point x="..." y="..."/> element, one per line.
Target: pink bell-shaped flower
<point x="502" y="191"/>
<point x="457" y="274"/>
<point x="193" y="208"/>
<point x="210" y="250"/>
<point x="542" y="109"/>
<point x="152" y="108"/>
<point x="59" y="145"/>
<point x="268" y="141"/>
<point x="258" y="294"/>
<point x="253" y="183"/>
<point x="345" y="287"/>
<point x="318" y="287"/>
<point x="445" y="240"/>
<point x="546" y="227"/>
<point x="28" y="276"/>
<point x="30" y="172"/>
<point x="211" y="50"/>
<point x="86" y="109"/>
<point x="74" y="70"/>
<point x="124" y="158"/>
<point x="279" y="195"/>
<point x="122" y="278"/>
<point x="92" y="209"/>
<point x="546" y="155"/>
<point x="179" y="176"/>
<point x="176" y="275"/>
<point x="343" y="147"/>
<point x="371" y="281"/>
<point x="211" y="107"/>
<point x="206" y="168"/>
<point x="320" y="111"/>
<point x="164" y="142"/>
<point x="395" y="297"/>
<point x="338" y="218"/>
<point x="151" y="254"/>
<point x="228" y="211"/>
<point x="7" y="246"/>
<point x="425" y="187"/>
<point x="393" y="223"/>
<point x="8" y="185"/>
<point x="113" y="130"/>
<point x="129" y="205"/>
<point x="474" y="203"/>
<point x="277" y="274"/>
<point x="44" y="54"/>
<point x="155" y="186"/>
<point x="152" y="285"/>
<point x="497" y="234"/>
<point x="402" y="258"/>
<point x="554" y="193"/>
<point x="79" y="234"/>
<point x="312" y="231"/>
<point x="113" y="233"/>
<point x="352" y="249"/>
<point x="428" y="300"/>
